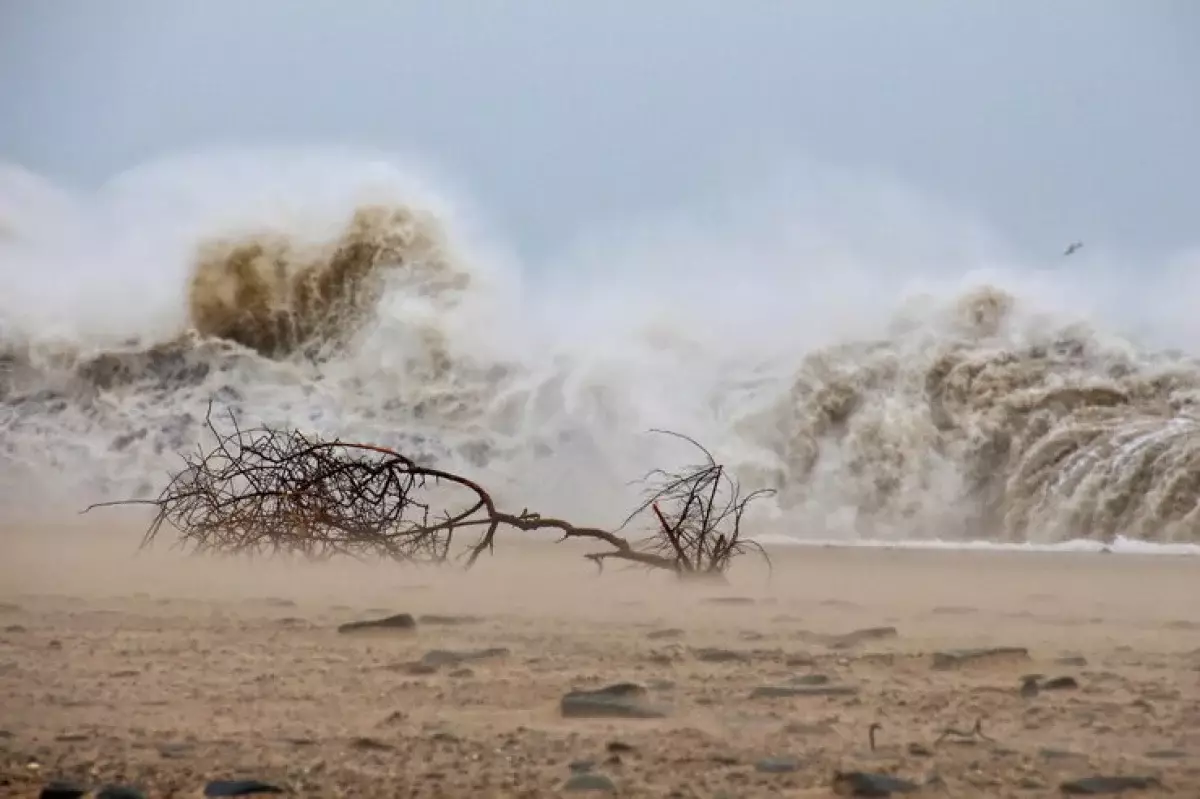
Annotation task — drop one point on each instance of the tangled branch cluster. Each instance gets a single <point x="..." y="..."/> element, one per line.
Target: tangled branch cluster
<point x="268" y="490"/>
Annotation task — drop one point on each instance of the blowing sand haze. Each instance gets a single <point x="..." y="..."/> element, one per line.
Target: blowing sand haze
<point x="338" y="298"/>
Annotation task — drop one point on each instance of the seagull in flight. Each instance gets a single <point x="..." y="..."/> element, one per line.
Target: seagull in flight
<point x="1072" y="247"/>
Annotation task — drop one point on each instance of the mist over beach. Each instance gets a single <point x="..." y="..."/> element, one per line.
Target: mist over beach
<point x="924" y="273"/>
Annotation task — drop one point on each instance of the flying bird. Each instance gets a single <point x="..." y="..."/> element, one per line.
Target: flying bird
<point x="1072" y="247"/>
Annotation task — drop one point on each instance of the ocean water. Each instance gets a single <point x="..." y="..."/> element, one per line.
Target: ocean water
<point x="888" y="401"/>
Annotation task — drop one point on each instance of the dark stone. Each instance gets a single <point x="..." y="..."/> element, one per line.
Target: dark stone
<point x="1077" y="661"/>
<point x="371" y="745"/>
<point x="953" y="658"/>
<point x="1166" y="754"/>
<point x="863" y="783"/>
<point x="1059" y="684"/>
<point x="919" y="750"/>
<point x="438" y="620"/>
<point x="621" y="700"/>
<point x="399" y="621"/>
<point x="810" y="679"/>
<point x="777" y="765"/>
<point x="786" y="691"/>
<point x="589" y="781"/>
<point x="447" y="657"/>
<point x="1098" y="786"/>
<point x="63" y="790"/>
<point x="1029" y="685"/>
<point x="240" y="788"/>
<point x="581" y="766"/>
<point x="619" y="747"/>
<point x="417" y="669"/>
<point x="715" y="655"/>
<point x="856" y="637"/>
<point x="670" y="632"/>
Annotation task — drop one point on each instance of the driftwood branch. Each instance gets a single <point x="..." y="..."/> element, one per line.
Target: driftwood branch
<point x="269" y="490"/>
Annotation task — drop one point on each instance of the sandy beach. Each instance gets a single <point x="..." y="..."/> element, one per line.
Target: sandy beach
<point x="167" y="672"/>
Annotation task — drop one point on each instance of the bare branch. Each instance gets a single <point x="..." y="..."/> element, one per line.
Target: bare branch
<point x="269" y="490"/>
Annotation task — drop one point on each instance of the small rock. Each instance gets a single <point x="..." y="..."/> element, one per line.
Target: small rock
<point x="174" y="751"/>
<point x="1166" y="754"/>
<point x="954" y="658"/>
<point x="416" y="669"/>
<point x="398" y="621"/>
<point x="716" y="655"/>
<point x="1077" y="661"/>
<point x="786" y="691"/>
<point x="589" y="781"/>
<point x="16" y="628"/>
<point x="438" y="620"/>
<point x="621" y="700"/>
<point x="447" y="657"/>
<point x="856" y="637"/>
<point x="581" y="766"/>
<point x="240" y="788"/>
<point x="71" y="738"/>
<point x="863" y="783"/>
<point x="370" y="745"/>
<point x="462" y="673"/>
<point x="670" y="632"/>
<point x="810" y="679"/>
<point x="1051" y="753"/>
<point x="777" y="765"/>
<point x="799" y="661"/>
<point x="619" y="747"/>
<point x="919" y="750"/>
<point x="1059" y="684"/>
<point x="62" y="790"/>
<point x="1098" y="786"/>
<point x="1029" y="685"/>
<point x="120" y="792"/>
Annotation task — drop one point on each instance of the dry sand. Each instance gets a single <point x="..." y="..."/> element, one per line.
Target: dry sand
<point x="167" y="671"/>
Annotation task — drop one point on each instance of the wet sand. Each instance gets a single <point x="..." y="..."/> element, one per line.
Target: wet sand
<point x="167" y="672"/>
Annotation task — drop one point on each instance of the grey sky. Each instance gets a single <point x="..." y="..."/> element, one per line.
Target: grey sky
<point x="1051" y="120"/>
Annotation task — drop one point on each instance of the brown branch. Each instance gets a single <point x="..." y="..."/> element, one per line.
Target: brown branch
<point x="265" y="489"/>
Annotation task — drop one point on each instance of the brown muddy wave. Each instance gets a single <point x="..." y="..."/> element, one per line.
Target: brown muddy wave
<point x="267" y="294"/>
<point x="980" y="434"/>
<point x="971" y="422"/>
<point x="264" y="292"/>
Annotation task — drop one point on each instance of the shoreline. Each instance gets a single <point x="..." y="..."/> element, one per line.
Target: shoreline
<point x="165" y="670"/>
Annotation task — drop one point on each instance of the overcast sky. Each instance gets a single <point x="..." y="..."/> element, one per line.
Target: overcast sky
<point x="1051" y="120"/>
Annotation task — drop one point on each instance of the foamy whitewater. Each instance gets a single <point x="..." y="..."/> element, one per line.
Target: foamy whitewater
<point x="888" y="399"/>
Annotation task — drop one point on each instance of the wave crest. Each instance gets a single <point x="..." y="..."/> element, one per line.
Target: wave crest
<point x="278" y="298"/>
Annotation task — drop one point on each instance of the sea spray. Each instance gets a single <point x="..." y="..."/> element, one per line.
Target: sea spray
<point x="338" y="295"/>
